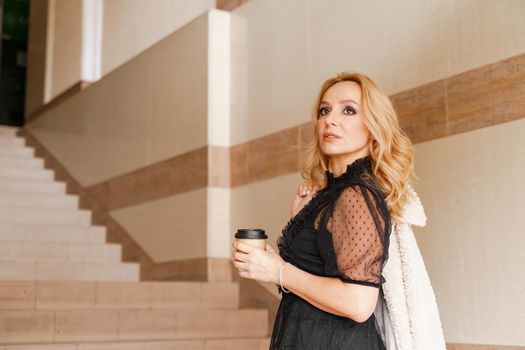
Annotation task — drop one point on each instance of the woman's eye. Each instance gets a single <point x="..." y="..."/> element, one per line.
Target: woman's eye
<point x="350" y="109"/>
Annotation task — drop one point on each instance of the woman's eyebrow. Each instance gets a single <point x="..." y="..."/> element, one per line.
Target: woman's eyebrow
<point x="351" y="101"/>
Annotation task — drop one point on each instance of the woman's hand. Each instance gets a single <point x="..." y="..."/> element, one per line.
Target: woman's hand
<point x="305" y="192"/>
<point x="306" y="188"/>
<point x="255" y="263"/>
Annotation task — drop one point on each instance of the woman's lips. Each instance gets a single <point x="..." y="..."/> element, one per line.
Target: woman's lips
<point x="330" y="137"/>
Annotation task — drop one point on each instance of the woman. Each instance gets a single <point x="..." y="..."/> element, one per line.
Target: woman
<point x="333" y="249"/>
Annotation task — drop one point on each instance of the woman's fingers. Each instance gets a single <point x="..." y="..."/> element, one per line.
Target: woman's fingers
<point x="306" y="188"/>
<point x="300" y="190"/>
<point x="240" y="265"/>
<point x="239" y="256"/>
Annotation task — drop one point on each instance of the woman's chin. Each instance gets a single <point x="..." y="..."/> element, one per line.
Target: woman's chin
<point x="332" y="151"/>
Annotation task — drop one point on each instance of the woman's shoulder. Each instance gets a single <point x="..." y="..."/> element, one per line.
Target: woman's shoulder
<point x="362" y="188"/>
<point x="363" y="195"/>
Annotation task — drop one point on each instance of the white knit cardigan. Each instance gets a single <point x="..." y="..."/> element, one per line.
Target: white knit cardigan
<point x="406" y="311"/>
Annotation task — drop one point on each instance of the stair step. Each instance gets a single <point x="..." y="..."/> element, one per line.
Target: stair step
<point x="73" y="252"/>
<point x="46" y="295"/>
<point x="17" y="152"/>
<point x="113" y="325"/>
<point x="12" y="142"/>
<point x="68" y="271"/>
<point x="52" y="233"/>
<point x="34" y="187"/>
<point x="29" y="163"/>
<point x="14" y="173"/>
<point x="8" y="131"/>
<point x="79" y="217"/>
<point x="43" y="201"/>
<point x="197" y="344"/>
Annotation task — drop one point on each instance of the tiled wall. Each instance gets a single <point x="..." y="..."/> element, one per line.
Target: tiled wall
<point x="278" y="69"/>
<point x="472" y="188"/>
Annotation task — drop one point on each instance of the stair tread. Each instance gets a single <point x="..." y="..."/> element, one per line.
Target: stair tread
<point x="113" y="325"/>
<point x="25" y="163"/>
<point x="44" y="209"/>
<point x="9" y="185"/>
<point x="20" y="295"/>
<point x="40" y="244"/>
<point x="52" y="226"/>
<point x="39" y="200"/>
<point x="35" y="270"/>
<point x="63" y="234"/>
<point x="28" y="174"/>
<point x="20" y="250"/>
<point x="238" y="343"/>
<point x="18" y="151"/>
<point x="62" y="263"/>
<point x="46" y="215"/>
<point x="7" y="157"/>
<point x="31" y="181"/>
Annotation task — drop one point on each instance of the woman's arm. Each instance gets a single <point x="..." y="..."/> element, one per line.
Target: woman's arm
<point x="330" y="294"/>
<point x="326" y="293"/>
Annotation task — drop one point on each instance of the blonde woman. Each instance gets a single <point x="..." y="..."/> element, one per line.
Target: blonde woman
<point x="332" y="251"/>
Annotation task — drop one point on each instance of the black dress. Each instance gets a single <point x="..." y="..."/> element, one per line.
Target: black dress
<point x="342" y="232"/>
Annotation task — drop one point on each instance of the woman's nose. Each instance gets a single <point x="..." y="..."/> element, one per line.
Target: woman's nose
<point x="329" y="119"/>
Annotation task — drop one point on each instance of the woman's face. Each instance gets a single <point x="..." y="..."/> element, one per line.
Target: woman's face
<point x="340" y="114"/>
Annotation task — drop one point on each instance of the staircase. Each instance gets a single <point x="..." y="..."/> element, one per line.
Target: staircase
<point x="63" y="287"/>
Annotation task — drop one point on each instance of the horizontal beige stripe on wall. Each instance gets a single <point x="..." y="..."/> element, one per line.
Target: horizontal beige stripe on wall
<point x="472" y="100"/>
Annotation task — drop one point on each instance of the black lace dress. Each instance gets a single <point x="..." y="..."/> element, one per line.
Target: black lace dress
<point x="342" y="232"/>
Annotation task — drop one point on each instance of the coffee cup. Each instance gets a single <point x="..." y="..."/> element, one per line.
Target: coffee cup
<point x="253" y="236"/>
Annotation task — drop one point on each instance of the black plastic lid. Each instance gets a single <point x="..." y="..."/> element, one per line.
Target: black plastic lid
<point x="251" y="233"/>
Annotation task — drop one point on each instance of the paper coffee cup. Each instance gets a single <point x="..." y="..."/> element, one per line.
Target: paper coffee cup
<point x="252" y="236"/>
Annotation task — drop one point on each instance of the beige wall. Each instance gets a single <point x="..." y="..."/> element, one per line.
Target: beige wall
<point x="171" y="228"/>
<point x="129" y="27"/>
<point x="132" y="26"/>
<point x="152" y="108"/>
<point x="472" y="187"/>
<point x="64" y="40"/>
<point x="277" y="69"/>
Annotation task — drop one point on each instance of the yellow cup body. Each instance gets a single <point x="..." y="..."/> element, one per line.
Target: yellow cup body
<point x="258" y="243"/>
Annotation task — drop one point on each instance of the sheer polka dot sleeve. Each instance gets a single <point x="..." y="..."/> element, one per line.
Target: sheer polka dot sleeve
<point x="358" y="236"/>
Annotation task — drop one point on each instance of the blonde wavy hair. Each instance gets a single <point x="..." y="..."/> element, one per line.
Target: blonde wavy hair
<point x="391" y="150"/>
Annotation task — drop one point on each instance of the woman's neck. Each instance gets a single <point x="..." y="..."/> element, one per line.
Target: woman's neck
<point x="337" y="164"/>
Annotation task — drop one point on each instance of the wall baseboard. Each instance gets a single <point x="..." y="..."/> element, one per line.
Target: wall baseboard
<point x="461" y="346"/>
